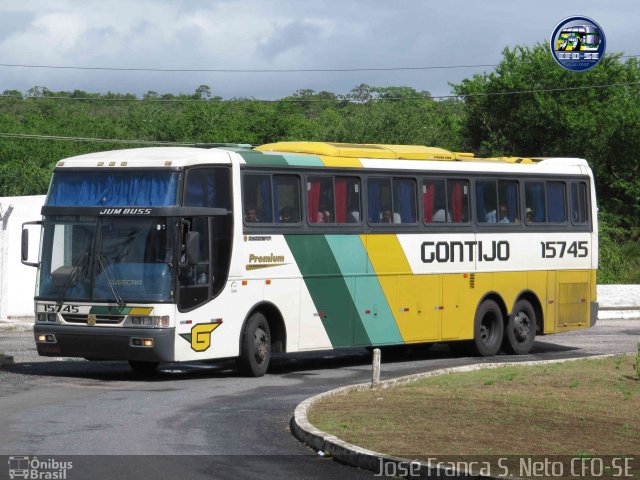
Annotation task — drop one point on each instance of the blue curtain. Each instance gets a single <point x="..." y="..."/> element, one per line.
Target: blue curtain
<point x="555" y="202"/>
<point x="114" y="189"/>
<point x="375" y="208"/>
<point x="265" y="193"/>
<point x="480" y="208"/>
<point x="405" y="201"/>
<point x="512" y="201"/>
<point x="537" y="190"/>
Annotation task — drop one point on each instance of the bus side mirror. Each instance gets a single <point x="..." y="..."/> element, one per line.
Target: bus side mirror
<point x="25" y="245"/>
<point x="193" y="248"/>
<point x="24" y="250"/>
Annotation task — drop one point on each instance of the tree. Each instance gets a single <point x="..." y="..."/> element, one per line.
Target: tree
<point x="530" y="106"/>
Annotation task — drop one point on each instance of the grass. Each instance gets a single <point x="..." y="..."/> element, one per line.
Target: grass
<point x="586" y="407"/>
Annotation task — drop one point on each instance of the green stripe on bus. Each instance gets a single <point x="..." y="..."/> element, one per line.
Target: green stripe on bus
<point x="303" y="160"/>
<point x="104" y="310"/>
<point x="256" y="158"/>
<point x="328" y="290"/>
<point x="373" y="309"/>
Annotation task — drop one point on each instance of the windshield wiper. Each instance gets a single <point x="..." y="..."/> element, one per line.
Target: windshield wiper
<point x="74" y="275"/>
<point x="116" y="295"/>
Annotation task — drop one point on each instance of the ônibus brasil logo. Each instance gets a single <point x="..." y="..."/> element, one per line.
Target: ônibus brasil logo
<point x="578" y="43"/>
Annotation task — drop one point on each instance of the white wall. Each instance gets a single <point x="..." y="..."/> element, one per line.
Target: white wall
<point x="17" y="281"/>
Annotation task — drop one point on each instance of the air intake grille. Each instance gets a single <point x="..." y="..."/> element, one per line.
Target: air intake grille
<point x="100" y="319"/>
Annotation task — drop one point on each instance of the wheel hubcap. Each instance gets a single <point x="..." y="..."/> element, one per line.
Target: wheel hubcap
<point x="262" y="345"/>
<point x="521" y="327"/>
<point x="487" y="330"/>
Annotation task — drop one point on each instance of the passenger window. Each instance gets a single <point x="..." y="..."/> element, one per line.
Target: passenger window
<point x="458" y="200"/>
<point x="579" y="203"/>
<point x="445" y="201"/>
<point x="287" y="198"/>
<point x="535" y="202"/>
<point x="320" y="200"/>
<point x="333" y="200"/>
<point x="379" y="200"/>
<point x="257" y="203"/>
<point x="497" y="202"/>
<point x="347" y="200"/>
<point x="508" y="204"/>
<point x="404" y="204"/>
<point x="434" y="201"/>
<point x="556" y="201"/>
<point x="486" y="202"/>
<point x="208" y="187"/>
<point x="392" y="201"/>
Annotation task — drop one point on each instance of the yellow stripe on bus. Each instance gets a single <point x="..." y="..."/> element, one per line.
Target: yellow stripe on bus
<point x="410" y="297"/>
<point x="344" y="162"/>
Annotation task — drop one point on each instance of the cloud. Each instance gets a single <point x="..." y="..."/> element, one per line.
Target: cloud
<point x="274" y="34"/>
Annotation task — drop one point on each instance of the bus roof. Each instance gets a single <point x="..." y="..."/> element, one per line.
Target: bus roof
<point x="148" y="157"/>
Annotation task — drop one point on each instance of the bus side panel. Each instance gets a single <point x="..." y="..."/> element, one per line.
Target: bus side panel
<point x="574" y="299"/>
<point x="459" y="303"/>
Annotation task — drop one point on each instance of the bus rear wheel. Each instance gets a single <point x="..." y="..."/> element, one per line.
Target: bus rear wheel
<point x="255" y="349"/>
<point x="488" y="329"/>
<point x="143" y="367"/>
<point x="521" y="329"/>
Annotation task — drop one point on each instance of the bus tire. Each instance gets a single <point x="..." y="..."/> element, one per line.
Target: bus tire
<point x="521" y="329"/>
<point x="255" y="347"/>
<point x="143" y="367"/>
<point x="488" y="329"/>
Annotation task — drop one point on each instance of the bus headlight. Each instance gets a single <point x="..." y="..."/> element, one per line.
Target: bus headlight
<point x="150" y="320"/>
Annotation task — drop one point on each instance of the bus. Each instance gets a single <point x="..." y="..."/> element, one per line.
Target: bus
<point x="181" y="254"/>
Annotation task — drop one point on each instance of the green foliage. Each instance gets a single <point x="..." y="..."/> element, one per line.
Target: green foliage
<point x="637" y="364"/>
<point x="599" y="124"/>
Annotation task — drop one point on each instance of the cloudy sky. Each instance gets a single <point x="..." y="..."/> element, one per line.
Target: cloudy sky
<point x="279" y="34"/>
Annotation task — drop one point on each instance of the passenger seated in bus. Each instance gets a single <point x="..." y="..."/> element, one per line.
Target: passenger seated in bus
<point x="490" y="216"/>
<point x="528" y="216"/>
<point x="353" y="217"/>
<point x="504" y="214"/>
<point x="386" y="216"/>
<point x="441" y="216"/>
<point x="324" y="215"/>
<point x="251" y="216"/>
<point x="286" y="215"/>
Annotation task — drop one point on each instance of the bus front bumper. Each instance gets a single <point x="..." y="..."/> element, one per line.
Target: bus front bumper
<point x="105" y="343"/>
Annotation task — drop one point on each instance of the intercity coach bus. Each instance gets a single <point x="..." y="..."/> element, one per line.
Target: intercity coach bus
<point x="178" y="254"/>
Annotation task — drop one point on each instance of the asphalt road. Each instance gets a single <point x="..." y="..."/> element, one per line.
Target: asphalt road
<point x="198" y="421"/>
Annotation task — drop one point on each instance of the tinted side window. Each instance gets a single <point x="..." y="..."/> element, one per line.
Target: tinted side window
<point x="535" y="202"/>
<point x="379" y="200"/>
<point x="208" y="187"/>
<point x="286" y="195"/>
<point x="320" y="200"/>
<point x="579" y="207"/>
<point x="404" y="200"/>
<point x="556" y="201"/>
<point x="392" y="201"/>
<point x="445" y="200"/>
<point x="256" y="199"/>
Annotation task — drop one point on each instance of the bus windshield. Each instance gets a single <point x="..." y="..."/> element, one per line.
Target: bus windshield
<point x="114" y="259"/>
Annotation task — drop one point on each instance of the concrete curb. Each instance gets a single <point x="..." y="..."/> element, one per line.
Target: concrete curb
<point x="356" y="456"/>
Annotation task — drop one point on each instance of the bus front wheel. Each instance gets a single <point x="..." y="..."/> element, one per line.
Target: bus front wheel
<point x="521" y="329"/>
<point x="255" y="349"/>
<point x="488" y="329"/>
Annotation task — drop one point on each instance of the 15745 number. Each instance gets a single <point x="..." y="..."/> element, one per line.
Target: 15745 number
<point x="564" y="249"/>
<point x="54" y="308"/>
